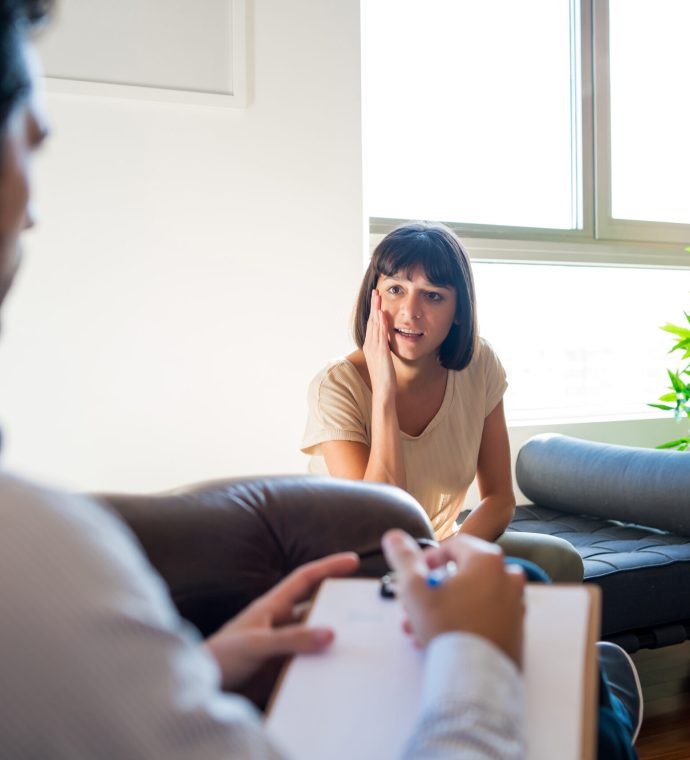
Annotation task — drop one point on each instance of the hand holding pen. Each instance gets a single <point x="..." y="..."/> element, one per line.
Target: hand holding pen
<point x="477" y="594"/>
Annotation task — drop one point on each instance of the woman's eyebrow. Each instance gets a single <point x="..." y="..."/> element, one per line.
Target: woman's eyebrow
<point x="433" y="286"/>
<point x="395" y="278"/>
<point x="425" y="283"/>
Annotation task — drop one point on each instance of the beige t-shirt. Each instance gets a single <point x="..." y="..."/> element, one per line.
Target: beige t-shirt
<point x="441" y="462"/>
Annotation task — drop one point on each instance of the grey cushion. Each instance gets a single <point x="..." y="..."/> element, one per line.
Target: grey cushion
<point x="634" y="485"/>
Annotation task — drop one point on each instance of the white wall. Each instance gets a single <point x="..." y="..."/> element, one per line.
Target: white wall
<point x="193" y="268"/>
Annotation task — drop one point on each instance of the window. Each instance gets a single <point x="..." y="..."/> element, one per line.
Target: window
<point x="544" y="119"/>
<point x="576" y="342"/>
<point x="455" y="130"/>
<point x="642" y="119"/>
<point x="552" y="136"/>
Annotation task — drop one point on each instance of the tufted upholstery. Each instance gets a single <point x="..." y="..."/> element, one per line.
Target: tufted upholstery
<point x="644" y="572"/>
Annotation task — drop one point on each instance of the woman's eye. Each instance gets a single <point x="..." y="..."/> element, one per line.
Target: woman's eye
<point x="394" y="290"/>
<point x="434" y="296"/>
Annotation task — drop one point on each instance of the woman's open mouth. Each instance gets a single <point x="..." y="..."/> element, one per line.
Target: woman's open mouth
<point x="409" y="334"/>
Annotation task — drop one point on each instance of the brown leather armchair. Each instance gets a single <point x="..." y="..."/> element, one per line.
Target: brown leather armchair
<point x="219" y="545"/>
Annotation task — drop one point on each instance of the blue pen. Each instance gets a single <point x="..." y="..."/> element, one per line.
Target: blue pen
<point x="439" y="575"/>
<point x="434" y="579"/>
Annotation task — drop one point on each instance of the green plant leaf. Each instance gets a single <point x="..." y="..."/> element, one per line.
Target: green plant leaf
<point x="674" y="444"/>
<point x="678" y="400"/>
<point x="685" y="343"/>
<point x="683" y="332"/>
<point x="669" y="397"/>
<point x="676" y="383"/>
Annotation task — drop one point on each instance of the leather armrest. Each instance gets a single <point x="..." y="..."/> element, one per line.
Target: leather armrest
<point x="221" y="544"/>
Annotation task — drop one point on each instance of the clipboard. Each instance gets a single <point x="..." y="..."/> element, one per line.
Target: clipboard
<point x="361" y="697"/>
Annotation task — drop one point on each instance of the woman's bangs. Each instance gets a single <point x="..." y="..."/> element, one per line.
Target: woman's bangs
<point x="418" y="253"/>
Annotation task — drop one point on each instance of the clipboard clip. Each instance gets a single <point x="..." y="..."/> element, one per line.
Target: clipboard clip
<point x="388" y="586"/>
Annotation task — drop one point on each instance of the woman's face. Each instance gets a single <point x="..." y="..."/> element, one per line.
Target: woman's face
<point x="24" y="132"/>
<point x="420" y="313"/>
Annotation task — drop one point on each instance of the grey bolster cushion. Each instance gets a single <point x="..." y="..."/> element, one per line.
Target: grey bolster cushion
<point x="634" y="485"/>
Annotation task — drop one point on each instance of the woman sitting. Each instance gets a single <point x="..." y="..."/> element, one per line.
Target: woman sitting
<point x="419" y="403"/>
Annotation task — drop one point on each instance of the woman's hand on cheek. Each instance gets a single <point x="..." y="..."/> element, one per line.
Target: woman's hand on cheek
<point x="377" y="350"/>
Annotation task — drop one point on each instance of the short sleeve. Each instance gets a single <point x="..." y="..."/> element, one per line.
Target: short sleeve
<point x="336" y="401"/>
<point x="494" y="378"/>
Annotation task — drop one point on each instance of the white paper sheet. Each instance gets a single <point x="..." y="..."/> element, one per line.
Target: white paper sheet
<point x="360" y="699"/>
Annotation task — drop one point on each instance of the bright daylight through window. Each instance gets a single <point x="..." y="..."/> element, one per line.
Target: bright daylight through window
<point x="650" y="110"/>
<point x="465" y="120"/>
<point x="551" y="121"/>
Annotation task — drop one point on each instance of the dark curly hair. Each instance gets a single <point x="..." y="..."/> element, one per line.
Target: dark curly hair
<point x="16" y="18"/>
<point x="438" y="252"/>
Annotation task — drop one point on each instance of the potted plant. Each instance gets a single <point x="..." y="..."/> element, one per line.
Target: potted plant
<point x="678" y="397"/>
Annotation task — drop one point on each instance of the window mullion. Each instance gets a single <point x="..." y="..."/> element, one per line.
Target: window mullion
<point x="602" y="119"/>
<point x="583" y="117"/>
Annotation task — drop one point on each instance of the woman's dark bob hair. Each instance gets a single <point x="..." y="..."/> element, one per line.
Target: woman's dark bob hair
<point x="435" y="250"/>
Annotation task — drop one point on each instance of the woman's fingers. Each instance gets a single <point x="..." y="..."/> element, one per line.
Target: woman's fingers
<point x="377" y="350"/>
<point x="377" y="326"/>
<point x="375" y="314"/>
<point x="373" y="321"/>
<point x="375" y="308"/>
<point x="383" y="328"/>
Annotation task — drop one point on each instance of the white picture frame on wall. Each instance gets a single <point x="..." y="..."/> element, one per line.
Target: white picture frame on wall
<point x="96" y="49"/>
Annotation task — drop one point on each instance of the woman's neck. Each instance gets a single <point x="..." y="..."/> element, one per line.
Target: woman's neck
<point x="411" y="375"/>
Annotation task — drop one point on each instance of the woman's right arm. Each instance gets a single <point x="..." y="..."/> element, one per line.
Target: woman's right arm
<point x="383" y="462"/>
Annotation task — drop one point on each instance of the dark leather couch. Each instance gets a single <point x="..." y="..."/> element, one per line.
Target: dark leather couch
<point x="219" y="545"/>
<point x="627" y="512"/>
